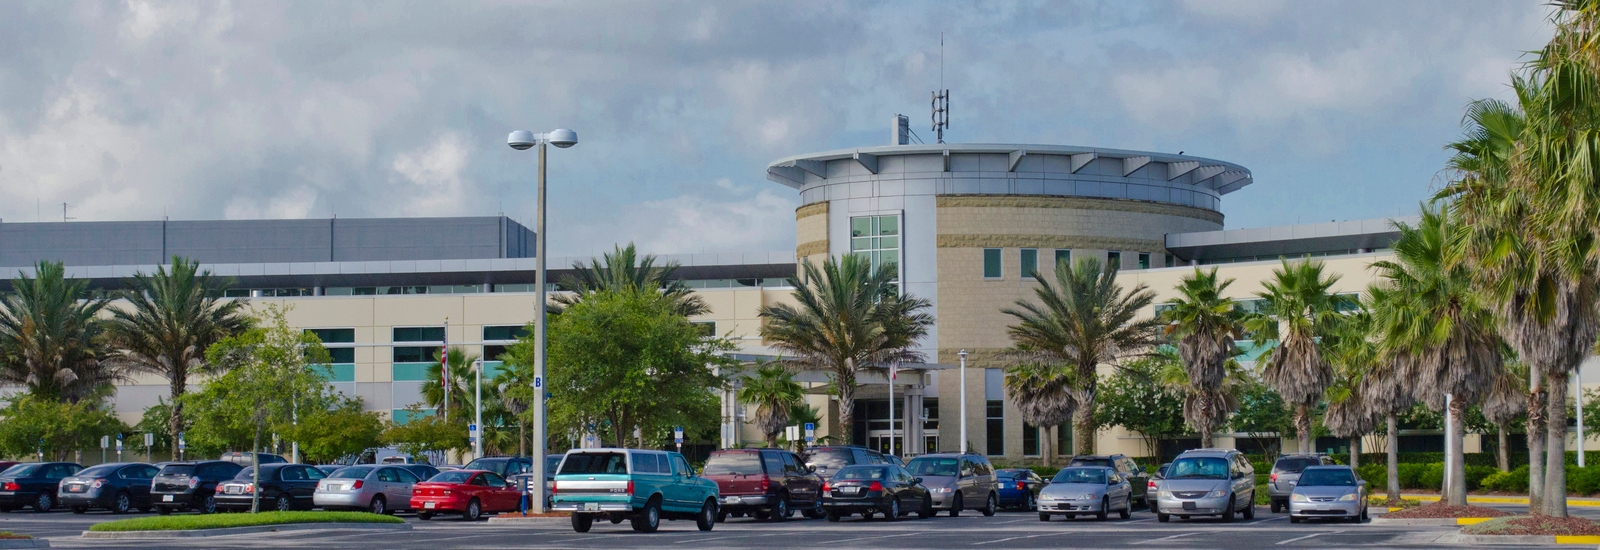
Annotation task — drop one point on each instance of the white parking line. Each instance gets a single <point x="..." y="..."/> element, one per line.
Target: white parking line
<point x="1013" y="538"/>
<point x="1167" y="538"/>
<point x="1268" y="519"/>
<point x="871" y="538"/>
<point x="747" y="534"/>
<point x="1305" y="537"/>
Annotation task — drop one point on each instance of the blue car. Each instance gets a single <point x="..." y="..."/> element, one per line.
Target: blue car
<point x="1019" y="488"/>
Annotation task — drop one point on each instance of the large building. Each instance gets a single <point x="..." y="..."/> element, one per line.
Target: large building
<point x="964" y="223"/>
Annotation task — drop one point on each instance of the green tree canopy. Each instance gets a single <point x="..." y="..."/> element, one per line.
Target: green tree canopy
<point x="50" y="337"/>
<point x="30" y="423"/>
<point x="1134" y="398"/>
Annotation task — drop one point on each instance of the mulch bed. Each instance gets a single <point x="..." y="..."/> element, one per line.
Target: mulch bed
<point x="7" y="535"/>
<point x="1535" y="525"/>
<point x="533" y="515"/>
<point x="1442" y="510"/>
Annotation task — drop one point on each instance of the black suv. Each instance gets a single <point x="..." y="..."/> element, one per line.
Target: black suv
<point x="1125" y="467"/>
<point x="828" y="460"/>
<point x="764" y="483"/>
<point x="190" y="485"/>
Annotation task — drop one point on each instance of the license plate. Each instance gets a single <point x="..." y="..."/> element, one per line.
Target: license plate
<point x="734" y="500"/>
<point x="74" y="488"/>
<point x="233" y="490"/>
<point x="428" y="505"/>
<point x="1188" y="506"/>
<point x="166" y="498"/>
<point x="850" y="490"/>
<point x="591" y="506"/>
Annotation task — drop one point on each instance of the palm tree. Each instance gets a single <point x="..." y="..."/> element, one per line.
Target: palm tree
<point x="462" y="388"/>
<point x="1353" y="353"/>
<point x="847" y="317"/>
<point x="622" y="269"/>
<point x="1080" y="322"/>
<point x="1043" y="395"/>
<point x="172" y="317"/>
<point x="1297" y="312"/>
<point x="50" y="337"/>
<point x="1439" y="319"/>
<point x="1206" y="325"/>
<point x="1174" y="375"/>
<point x="1385" y="392"/>
<point x="774" y="393"/>
<point x="1506" y="401"/>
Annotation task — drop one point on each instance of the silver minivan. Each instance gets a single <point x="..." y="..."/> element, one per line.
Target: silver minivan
<point x="958" y="482"/>
<point x="374" y="488"/>
<point x="1208" y="482"/>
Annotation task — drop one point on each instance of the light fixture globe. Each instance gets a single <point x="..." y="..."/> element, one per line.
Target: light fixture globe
<point x="563" y="138"/>
<point x="522" y="140"/>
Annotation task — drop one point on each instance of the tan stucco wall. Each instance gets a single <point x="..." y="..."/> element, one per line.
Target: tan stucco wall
<point x="811" y="232"/>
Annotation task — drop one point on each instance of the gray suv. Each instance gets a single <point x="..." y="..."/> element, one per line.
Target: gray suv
<point x="1286" y="473"/>
<point x="1208" y="482"/>
<point x="958" y="482"/>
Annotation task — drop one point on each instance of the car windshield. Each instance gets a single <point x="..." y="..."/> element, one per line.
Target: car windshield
<point x="173" y="470"/>
<point x="498" y="466"/>
<point x="934" y="466"/>
<point x="1091" y="462"/>
<point x="550" y="463"/>
<point x="455" y="476"/>
<point x="733" y="464"/>
<point x="353" y="472"/>
<point x="1331" y="477"/>
<point x="595" y="463"/>
<point x="1294" y="465"/>
<point x="1081" y="475"/>
<point x="830" y="459"/>
<point x="1199" y="468"/>
<point x="102" y="470"/>
<point x="861" y="472"/>
<point x="20" y="470"/>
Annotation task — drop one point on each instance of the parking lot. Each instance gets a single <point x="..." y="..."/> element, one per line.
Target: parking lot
<point x="1004" y="530"/>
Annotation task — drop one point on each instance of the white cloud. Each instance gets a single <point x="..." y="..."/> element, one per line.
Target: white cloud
<point x="690" y="224"/>
<point x="431" y="179"/>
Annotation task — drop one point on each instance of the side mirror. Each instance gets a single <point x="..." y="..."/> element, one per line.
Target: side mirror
<point x="811" y="469"/>
<point x="916" y="481"/>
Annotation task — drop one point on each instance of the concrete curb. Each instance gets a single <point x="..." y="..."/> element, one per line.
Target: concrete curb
<point x="1584" y="502"/>
<point x="1436" y="522"/>
<point x="24" y="543"/>
<point x="1458" y="538"/>
<point x="224" y="531"/>
<point x="529" y="521"/>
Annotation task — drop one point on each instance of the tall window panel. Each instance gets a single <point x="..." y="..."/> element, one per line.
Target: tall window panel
<point x="1063" y="256"/>
<point x="1144" y="260"/>
<point x="878" y="238"/>
<point x="1030" y="440"/>
<point x="995" y="426"/>
<point x="991" y="263"/>
<point x="1114" y="258"/>
<point x="1030" y="262"/>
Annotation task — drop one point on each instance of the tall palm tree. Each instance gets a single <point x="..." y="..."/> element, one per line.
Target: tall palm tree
<point x="1297" y="312"/>
<point x="624" y="268"/>
<point x="1384" y="390"/>
<point x="774" y="392"/>
<point x="462" y="385"/>
<point x="172" y="316"/>
<point x="50" y="337"/>
<point x="1353" y="352"/>
<point x="1044" y="397"/>
<point x="1506" y="401"/>
<point x="1080" y="322"/>
<point x="1206" y="324"/>
<point x="847" y="317"/>
<point x="1440" y="320"/>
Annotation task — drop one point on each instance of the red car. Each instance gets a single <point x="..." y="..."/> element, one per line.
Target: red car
<point x="470" y="493"/>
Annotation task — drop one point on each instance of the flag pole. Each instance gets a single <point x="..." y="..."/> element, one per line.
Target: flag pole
<point x="892" y="369"/>
<point x="444" y="368"/>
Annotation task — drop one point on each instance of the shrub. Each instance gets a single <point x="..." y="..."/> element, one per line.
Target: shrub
<point x="1515" y="481"/>
<point x="1263" y="498"/>
<point x="1476" y="474"/>
<point x="1583" y="481"/>
<point x="1376" y="476"/>
<point x="1432" y="476"/>
<point x="1411" y="475"/>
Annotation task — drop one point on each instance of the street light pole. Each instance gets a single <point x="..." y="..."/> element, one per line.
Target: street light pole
<point x="963" y="377"/>
<point x="523" y="140"/>
<point x="477" y="398"/>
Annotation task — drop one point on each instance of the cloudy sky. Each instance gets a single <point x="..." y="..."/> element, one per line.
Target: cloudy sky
<point x="135" y="110"/>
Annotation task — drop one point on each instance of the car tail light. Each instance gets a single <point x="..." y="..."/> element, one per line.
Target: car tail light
<point x="356" y="485"/>
<point x="825" y="487"/>
<point x="250" y="489"/>
<point x="12" y="486"/>
<point x="219" y="489"/>
<point x="1274" y="478"/>
<point x="194" y="482"/>
<point x="1152" y="484"/>
<point x="553" y="486"/>
<point x="765" y="484"/>
<point x="875" y="486"/>
<point x="630" y="486"/>
<point x="1022" y="486"/>
<point x="98" y="483"/>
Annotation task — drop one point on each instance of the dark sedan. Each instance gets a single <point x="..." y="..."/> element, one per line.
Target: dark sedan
<point x="119" y="487"/>
<point x="190" y="485"/>
<point x="33" y="484"/>
<point x="884" y="489"/>
<point x="1019" y="488"/>
<point x="283" y="487"/>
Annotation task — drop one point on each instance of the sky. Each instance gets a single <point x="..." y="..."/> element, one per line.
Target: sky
<point x="136" y="110"/>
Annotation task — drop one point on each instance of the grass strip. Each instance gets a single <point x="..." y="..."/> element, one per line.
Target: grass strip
<point x="219" y="521"/>
<point x="7" y="535"/>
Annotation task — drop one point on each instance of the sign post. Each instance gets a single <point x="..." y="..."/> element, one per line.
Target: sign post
<point x="677" y="437"/>
<point x="811" y="434"/>
<point x="119" y="447"/>
<point x="181" y="445"/>
<point x="105" y="441"/>
<point x="149" y="441"/>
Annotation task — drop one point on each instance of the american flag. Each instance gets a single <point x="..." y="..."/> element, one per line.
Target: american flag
<point x="444" y="362"/>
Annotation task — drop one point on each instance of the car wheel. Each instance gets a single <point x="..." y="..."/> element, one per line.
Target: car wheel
<point x="1276" y="507"/>
<point x="1250" y="510"/>
<point x="424" y="516"/>
<point x="648" y="519"/>
<point x="209" y="505"/>
<point x="833" y="516"/>
<point x="816" y="511"/>
<point x="1127" y="511"/>
<point x="1163" y="518"/>
<point x="283" y="504"/>
<point x="163" y="510"/>
<point x="1227" y="513"/>
<point x="123" y="504"/>
<point x="617" y="517"/>
<point x="926" y="511"/>
<point x="1031" y="504"/>
<point x="1293" y="519"/>
<point x="378" y="505"/>
<point x="1105" y="509"/>
<point x="1364" y="516"/>
<point x="761" y="515"/>
<point x="781" y="511"/>
<point x="707" y="519"/>
<point x="474" y="511"/>
<point x="991" y="506"/>
<point x="893" y="513"/>
<point x="80" y="509"/>
<point x="1044" y="517"/>
<point x="721" y="517"/>
<point x="955" y="506"/>
<point x="43" y="503"/>
<point x="582" y="522"/>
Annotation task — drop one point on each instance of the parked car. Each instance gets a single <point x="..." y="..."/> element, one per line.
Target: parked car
<point x="33" y="484"/>
<point x="329" y="469"/>
<point x="1153" y="487"/>
<point x="641" y="486"/>
<point x="1125" y="467"/>
<point x="1208" y="482"/>
<point x="885" y="489"/>
<point x="120" y="487"/>
<point x="190" y="485"/>
<point x="470" y="493"/>
<point x="396" y="459"/>
<point x="1019" y="487"/>
<point x="958" y="482"/>
<point x="1085" y="490"/>
<point x="1286" y="472"/>
<point x="764" y="483"/>
<point x="513" y="468"/>
<point x="1332" y="492"/>
<point x="283" y="487"/>
<point x="244" y="459"/>
<point x="374" y="488"/>
<point x="827" y="460"/>
<point x="423" y="472"/>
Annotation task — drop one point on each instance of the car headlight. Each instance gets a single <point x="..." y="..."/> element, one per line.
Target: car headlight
<point x="1297" y="497"/>
<point x="1164" y="494"/>
<point x="1348" y="497"/>
<point x="1087" y="496"/>
<point x="941" y="489"/>
<point x="1217" y="494"/>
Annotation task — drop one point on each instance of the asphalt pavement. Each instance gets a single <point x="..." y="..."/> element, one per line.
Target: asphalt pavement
<point x="971" y="530"/>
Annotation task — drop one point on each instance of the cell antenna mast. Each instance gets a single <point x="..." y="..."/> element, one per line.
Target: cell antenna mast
<point x="941" y="99"/>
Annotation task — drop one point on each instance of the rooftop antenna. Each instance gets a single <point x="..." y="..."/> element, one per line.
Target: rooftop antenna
<point x="941" y="98"/>
<point x="64" y="213"/>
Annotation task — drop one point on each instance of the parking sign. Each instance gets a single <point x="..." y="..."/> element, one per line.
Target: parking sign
<point x="811" y="432"/>
<point x="677" y="435"/>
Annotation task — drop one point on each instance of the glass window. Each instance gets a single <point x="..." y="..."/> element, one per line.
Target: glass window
<point x="1319" y="477"/>
<point x="334" y="335"/>
<point x="744" y="463"/>
<point x="877" y="238"/>
<point x="773" y="464"/>
<point x="342" y="355"/>
<point x="1171" y="261"/>
<point x="352" y="472"/>
<point x="996" y="427"/>
<point x="707" y="329"/>
<point x="991" y="263"/>
<point x="419" y="334"/>
<point x="292" y="474"/>
<point x="494" y="480"/>
<point x="1144" y="260"/>
<point x="453" y="476"/>
<point x="1030" y="440"/>
<point x="387" y="474"/>
<point x="1198" y="468"/>
<point x="864" y="473"/>
<point x="1063" y="256"/>
<point x="1030" y="262"/>
<point x="314" y="474"/>
<point x="406" y="476"/>
<point x="1095" y="476"/>
<point x="1294" y="465"/>
<point x="679" y="466"/>
<point x="407" y="354"/>
<point x="594" y="463"/>
<point x="509" y="332"/>
<point x="481" y="480"/>
<point x="790" y="465"/>
<point x="933" y="466"/>
<point x="1114" y="258"/>
<point x="831" y="459"/>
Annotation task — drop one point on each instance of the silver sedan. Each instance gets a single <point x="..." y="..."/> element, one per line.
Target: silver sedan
<point x="1086" y="490"/>
<point x="1331" y="492"/>
<point x="376" y="489"/>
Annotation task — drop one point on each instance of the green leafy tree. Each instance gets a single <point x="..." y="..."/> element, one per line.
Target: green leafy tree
<point x="330" y="434"/>
<point x="627" y="360"/>
<point x="425" y="433"/>
<point x="774" y="392"/>
<point x="1353" y="352"/>
<point x="171" y="318"/>
<point x="1262" y="412"/>
<point x="1135" y="398"/>
<point x="462" y="380"/>
<point x="50" y="337"/>
<point x="847" y="317"/>
<point x="624" y="270"/>
<point x="1298" y="311"/>
<point x="1205" y="324"/>
<point x="155" y="421"/>
<point x="33" y="423"/>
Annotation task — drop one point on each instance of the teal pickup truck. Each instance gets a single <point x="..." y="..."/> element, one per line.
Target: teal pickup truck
<point x="636" y="485"/>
